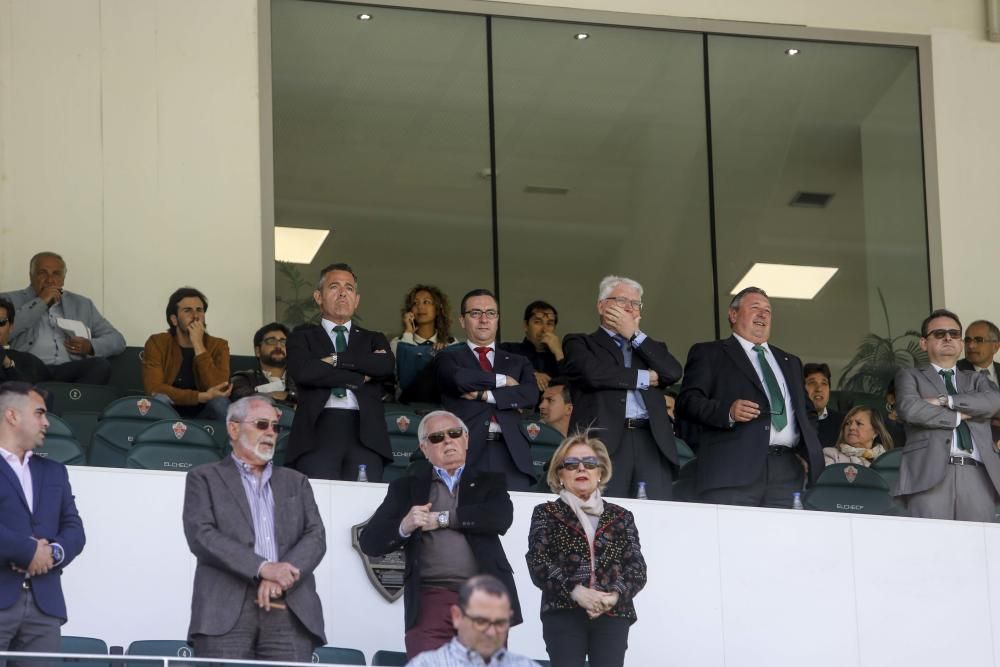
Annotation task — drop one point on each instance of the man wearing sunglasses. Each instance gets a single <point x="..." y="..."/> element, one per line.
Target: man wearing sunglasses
<point x="254" y="591"/>
<point x="14" y="364"/>
<point x="950" y="468"/>
<point x="449" y="519"/>
<point x="617" y="375"/>
<point x="270" y="345"/>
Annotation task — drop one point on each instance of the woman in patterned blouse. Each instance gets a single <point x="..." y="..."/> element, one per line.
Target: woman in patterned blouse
<point x="583" y="553"/>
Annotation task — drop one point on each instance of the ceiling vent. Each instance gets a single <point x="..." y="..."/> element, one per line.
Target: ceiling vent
<point x="545" y="190"/>
<point x="811" y="199"/>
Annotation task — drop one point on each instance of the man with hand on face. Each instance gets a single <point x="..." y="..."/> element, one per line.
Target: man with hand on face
<point x="556" y="407"/>
<point x="541" y="345"/>
<point x="69" y="358"/>
<point x="185" y="366"/>
<point x="269" y="378"/>
<point x="258" y="537"/>
<point x="486" y="387"/>
<point x="949" y="468"/>
<point x="40" y="528"/>
<point x="449" y="518"/>
<point x="817" y="380"/>
<point x="16" y="365"/>
<point x="339" y="369"/>
<point x="757" y="429"/>
<point x="616" y="375"/>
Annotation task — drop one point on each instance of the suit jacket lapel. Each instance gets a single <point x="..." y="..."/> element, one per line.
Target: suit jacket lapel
<point x="422" y="488"/>
<point x="231" y="476"/>
<point x="279" y="493"/>
<point x="935" y="379"/>
<point x="322" y="341"/>
<point x="37" y="480"/>
<point x="739" y="357"/>
<point x="15" y="483"/>
<point x="608" y="343"/>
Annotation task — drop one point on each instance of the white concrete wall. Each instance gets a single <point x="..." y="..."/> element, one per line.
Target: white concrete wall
<point x="728" y="586"/>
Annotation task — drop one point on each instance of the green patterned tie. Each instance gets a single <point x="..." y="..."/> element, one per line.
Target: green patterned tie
<point x="779" y="417"/>
<point x="339" y="344"/>
<point x="964" y="435"/>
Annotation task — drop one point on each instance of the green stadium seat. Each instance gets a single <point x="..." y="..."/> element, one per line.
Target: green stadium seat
<point x="166" y="648"/>
<point x="60" y="444"/>
<point x="684" y="487"/>
<point x="126" y="371"/>
<point x="83" y="425"/>
<point x="179" y="458"/>
<point x="216" y="429"/>
<point x="176" y="432"/>
<point x="540" y="457"/>
<point x="846" y="487"/>
<point x="537" y="433"/>
<point x="332" y="655"/>
<point x="389" y="658"/>
<point x="684" y="452"/>
<point x="402" y="423"/>
<point x="83" y="645"/>
<point x="119" y="424"/>
<point x="73" y="397"/>
<point x="887" y="466"/>
<point x="242" y="362"/>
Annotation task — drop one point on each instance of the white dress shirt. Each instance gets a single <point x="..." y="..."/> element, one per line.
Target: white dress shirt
<point x="788" y="436"/>
<point x="955" y="449"/>
<point x="349" y="402"/>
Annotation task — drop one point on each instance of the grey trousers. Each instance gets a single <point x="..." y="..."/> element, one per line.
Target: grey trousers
<point x="23" y="627"/>
<point x="259" y="635"/>
<point x="965" y="494"/>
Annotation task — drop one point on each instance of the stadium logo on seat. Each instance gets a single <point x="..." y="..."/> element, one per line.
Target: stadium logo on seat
<point x="75" y="394"/>
<point x="177" y="464"/>
<point x="143" y="406"/>
<point x="533" y="430"/>
<point x="851" y="473"/>
<point x="180" y="428"/>
<point x="402" y="423"/>
<point x="850" y="507"/>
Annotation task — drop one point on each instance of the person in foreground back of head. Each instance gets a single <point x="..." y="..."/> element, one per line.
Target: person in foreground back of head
<point x="258" y="537"/>
<point x="481" y="616"/>
<point x="584" y="554"/>
<point x="40" y="528"/>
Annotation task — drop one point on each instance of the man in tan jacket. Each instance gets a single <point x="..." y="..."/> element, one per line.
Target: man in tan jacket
<point x="185" y="366"/>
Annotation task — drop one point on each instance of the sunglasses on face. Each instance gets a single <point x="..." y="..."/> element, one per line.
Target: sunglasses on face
<point x="940" y="334"/>
<point x="264" y="424"/>
<point x="438" y="437"/>
<point x="572" y="463"/>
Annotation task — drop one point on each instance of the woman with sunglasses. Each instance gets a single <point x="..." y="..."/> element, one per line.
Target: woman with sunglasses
<point x="583" y="553"/>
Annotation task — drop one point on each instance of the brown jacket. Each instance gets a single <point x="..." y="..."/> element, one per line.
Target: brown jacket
<point x="161" y="362"/>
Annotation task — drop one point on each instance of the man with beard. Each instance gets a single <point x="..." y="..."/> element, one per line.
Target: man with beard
<point x="184" y="366"/>
<point x="270" y="345"/>
<point x="254" y="590"/>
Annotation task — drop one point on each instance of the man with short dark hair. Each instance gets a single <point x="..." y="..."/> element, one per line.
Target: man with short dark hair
<point x="817" y="382"/>
<point x="486" y="387"/>
<point x="40" y="528"/>
<point x="14" y="364"/>
<point x="481" y="617"/>
<point x="270" y="345"/>
<point x="556" y="407"/>
<point x="339" y="369"/>
<point x="982" y="342"/>
<point x="63" y="329"/>
<point x="541" y="345"/>
<point x="449" y="518"/>
<point x="185" y="366"/>
<point x="950" y="468"/>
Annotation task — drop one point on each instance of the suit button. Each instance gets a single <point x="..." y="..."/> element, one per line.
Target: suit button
<point x="767" y="428"/>
<point x="622" y="400"/>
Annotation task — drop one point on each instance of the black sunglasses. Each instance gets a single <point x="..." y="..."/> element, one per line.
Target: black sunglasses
<point x="264" y="424"/>
<point x="572" y="463"/>
<point x="939" y="334"/>
<point x="437" y="437"/>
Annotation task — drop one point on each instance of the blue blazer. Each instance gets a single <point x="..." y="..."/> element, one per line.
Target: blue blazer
<point x="55" y="518"/>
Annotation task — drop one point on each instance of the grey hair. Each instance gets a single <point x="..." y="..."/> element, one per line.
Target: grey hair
<point x="422" y="427"/>
<point x="608" y="283"/>
<point x="45" y="253"/>
<point x="994" y="332"/>
<point x="735" y="303"/>
<point x="238" y="410"/>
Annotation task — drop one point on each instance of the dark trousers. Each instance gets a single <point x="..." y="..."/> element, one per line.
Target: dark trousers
<point x="23" y="627"/>
<point x="259" y="635"/>
<point x="339" y="451"/>
<point x="572" y="638"/>
<point x="433" y="628"/>
<point x="495" y="457"/>
<point x="638" y="459"/>
<point x="92" y="370"/>
<point x="783" y="475"/>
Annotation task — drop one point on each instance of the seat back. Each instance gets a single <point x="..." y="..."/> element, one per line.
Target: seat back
<point x="166" y="456"/>
<point x="537" y="433"/>
<point x="401" y="423"/>
<point x="60" y="444"/>
<point x="176" y="432"/>
<point x="887" y="466"/>
<point x="333" y="655"/>
<point x="684" y="452"/>
<point x="76" y="397"/>
<point x="846" y="487"/>
<point x="120" y="423"/>
<point x="167" y="648"/>
<point x="83" y="645"/>
<point x="389" y="658"/>
<point x="126" y="370"/>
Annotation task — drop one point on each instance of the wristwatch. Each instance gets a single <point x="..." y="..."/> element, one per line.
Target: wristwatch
<point x="942" y="400"/>
<point x="333" y="359"/>
<point x="57" y="553"/>
<point x="442" y="519"/>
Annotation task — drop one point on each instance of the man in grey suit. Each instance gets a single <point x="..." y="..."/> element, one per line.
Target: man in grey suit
<point x="39" y="306"/>
<point x="950" y="468"/>
<point x="254" y="591"/>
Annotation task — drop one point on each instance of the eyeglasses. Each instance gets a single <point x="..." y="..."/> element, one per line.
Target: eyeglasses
<point x="482" y="624"/>
<point x="572" y="463"/>
<point x="940" y="334"/>
<point x="264" y="424"/>
<point x="622" y="302"/>
<point x="479" y="314"/>
<point x="271" y="340"/>
<point x="979" y="340"/>
<point x="4" y="322"/>
<point x="437" y="437"/>
<point x="890" y="407"/>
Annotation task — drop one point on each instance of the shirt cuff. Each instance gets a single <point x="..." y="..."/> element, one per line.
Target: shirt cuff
<point x="401" y="533"/>
<point x="958" y="420"/>
<point x="951" y="402"/>
<point x="638" y="340"/>
<point x="261" y="567"/>
<point x="643" y="381"/>
<point x="490" y="398"/>
<point x="501" y="380"/>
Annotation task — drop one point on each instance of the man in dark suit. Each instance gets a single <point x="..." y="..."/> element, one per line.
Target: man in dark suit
<point x="616" y="375"/>
<point x="257" y="534"/>
<point x="16" y="365"/>
<point x="817" y="381"/>
<point x="541" y="345"/>
<point x="40" y="528"/>
<point x="950" y="468"/>
<point x="449" y="519"/>
<point x="486" y="387"/>
<point x="757" y="429"/>
<point x="339" y="369"/>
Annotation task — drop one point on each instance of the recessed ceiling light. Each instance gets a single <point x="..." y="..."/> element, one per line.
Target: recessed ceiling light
<point x="791" y="52"/>
<point x="580" y="36"/>
<point x="787" y="281"/>
<point x="298" y="245"/>
<point x="364" y="17"/>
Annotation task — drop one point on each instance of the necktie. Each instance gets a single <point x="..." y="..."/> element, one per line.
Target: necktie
<point x="625" y="348"/>
<point x="779" y="418"/>
<point x="339" y="344"/>
<point x="964" y="435"/>
<point x="484" y="361"/>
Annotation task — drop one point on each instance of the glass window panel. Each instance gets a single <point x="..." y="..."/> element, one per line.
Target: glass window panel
<point x="601" y="169"/>
<point x="839" y="119"/>
<point x="381" y="134"/>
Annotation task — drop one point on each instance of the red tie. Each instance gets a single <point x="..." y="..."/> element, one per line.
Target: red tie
<point x="484" y="361"/>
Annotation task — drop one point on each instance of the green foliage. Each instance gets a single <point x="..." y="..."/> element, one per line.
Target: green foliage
<point x="299" y="309"/>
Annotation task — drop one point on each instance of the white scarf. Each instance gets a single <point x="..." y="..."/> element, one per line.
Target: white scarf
<point x="594" y="506"/>
<point x="861" y="455"/>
